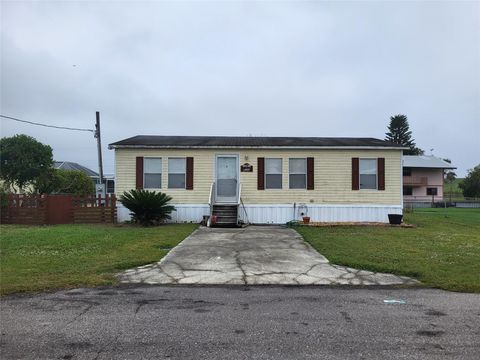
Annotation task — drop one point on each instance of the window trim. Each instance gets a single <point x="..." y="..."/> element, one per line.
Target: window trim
<point x="289" y="173"/>
<point x="161" y="174"/>
<point x="360" y="174"/>
<point x="184" y="174"/>
<point x="265" y="173"/>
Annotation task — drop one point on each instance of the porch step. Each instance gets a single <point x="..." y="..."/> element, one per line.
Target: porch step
<point x="227" y="215"/>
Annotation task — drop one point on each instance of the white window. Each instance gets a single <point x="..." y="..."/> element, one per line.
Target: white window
<point x="152" y="173"/>
<point x="297" y="173"/>
<point x="110" y="186"/>
<point x="176" y="173"/>
<point x="368" y="173"/>
<point x="273" y="173"/>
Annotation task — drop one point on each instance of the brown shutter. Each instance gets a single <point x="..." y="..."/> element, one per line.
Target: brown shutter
<point x="139" y="172"/>
<point x="310" y="174"/>
<point x="189" y="181"/>
<point x="261" y="173"/>
<point x="381" y="173"/>
<point x="355" y="174"/>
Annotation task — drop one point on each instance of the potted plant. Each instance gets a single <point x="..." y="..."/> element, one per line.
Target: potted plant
<point x="306" y="219"/>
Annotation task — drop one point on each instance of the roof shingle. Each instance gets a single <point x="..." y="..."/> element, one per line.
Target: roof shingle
<point x="248" y="141"/>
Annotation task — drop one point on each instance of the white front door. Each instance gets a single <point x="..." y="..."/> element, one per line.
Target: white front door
<point x="226" y="182"/>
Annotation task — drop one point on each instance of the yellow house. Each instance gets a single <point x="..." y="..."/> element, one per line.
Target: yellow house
<point x="265" y="179"/>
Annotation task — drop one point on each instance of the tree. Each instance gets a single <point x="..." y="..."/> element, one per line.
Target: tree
<point x="23" y="159"/>
<point x="471" y="184"/>
<point x="399" y="133"/>
<point x="59" y="181"/>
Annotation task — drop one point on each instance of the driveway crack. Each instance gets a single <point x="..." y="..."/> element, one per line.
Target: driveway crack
<point x="240" y="266"/>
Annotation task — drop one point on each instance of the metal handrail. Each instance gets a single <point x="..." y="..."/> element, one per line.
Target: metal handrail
<point x="210" y="197"/>
<point x="211" y="200"/>
<point x="240" y="202"/>
<point x="245" y="211"/>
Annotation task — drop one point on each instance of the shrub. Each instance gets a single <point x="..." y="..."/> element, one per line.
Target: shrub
<point x="59" y="181"/>
<point x="471" y="184"/>
<point x="147" y="207"/>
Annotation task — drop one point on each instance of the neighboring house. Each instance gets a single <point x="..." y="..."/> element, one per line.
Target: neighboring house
<point x="423" y="178"/>
<point x="68" y="165"/>
<point x="276" y="178"/>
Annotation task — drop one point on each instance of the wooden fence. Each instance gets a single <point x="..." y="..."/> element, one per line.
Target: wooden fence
<point x="58" y="209"/>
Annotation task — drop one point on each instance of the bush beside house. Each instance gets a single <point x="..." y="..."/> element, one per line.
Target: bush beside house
<point x="147" y="207"/>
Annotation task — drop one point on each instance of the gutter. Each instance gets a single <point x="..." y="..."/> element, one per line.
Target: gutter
<point x="111" y="146"/>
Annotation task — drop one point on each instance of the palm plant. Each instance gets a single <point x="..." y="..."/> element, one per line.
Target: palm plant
<point x="147" y="207"/>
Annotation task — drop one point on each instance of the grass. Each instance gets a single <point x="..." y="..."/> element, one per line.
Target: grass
<point x="442" y="251"/>
<point x="39" y="258"/>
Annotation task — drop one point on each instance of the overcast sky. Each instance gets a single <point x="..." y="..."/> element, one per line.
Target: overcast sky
<point x="242" y="68"/>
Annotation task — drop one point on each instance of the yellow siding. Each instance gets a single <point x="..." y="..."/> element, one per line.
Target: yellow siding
<point x="332" y="176"/>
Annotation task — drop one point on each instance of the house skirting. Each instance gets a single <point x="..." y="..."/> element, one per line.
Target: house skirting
<point x="282" y="213"/>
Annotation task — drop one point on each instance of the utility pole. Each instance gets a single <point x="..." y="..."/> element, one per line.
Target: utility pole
<point x="99" y="147"/>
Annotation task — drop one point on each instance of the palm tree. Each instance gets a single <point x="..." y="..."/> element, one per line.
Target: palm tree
<point x="147" y="207"/>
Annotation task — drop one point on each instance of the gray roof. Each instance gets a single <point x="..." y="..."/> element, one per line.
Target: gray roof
<point x="426" y="161"/>
<point x="67" y="165"/>
<point x="146" y="141"/>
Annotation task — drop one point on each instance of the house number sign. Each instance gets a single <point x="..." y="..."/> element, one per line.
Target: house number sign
<point x="246" y="168"/>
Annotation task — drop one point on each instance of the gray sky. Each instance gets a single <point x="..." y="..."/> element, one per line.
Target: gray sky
<point x="242" y="68"/>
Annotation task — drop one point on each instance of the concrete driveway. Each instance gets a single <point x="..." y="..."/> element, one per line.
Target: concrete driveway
<point x="254" y="255"/>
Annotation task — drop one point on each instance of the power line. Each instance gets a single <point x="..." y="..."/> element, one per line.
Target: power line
<point x="45" y="125"/>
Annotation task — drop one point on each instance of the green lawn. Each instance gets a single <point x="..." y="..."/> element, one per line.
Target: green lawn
<point x="443" y="250"/>
<point x="37" y="258"/>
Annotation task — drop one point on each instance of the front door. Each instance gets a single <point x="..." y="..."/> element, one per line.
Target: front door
<point x="226" y="178"/>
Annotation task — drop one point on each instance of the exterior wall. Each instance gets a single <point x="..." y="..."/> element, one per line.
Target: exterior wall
<point x="15" y="190"/>
<point x="332" y="176"/>
<point x="435" y="180"/>
<point x="332" y="199"/>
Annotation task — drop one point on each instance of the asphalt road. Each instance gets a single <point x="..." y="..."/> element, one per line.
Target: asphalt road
<point x="237" y="322"/>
